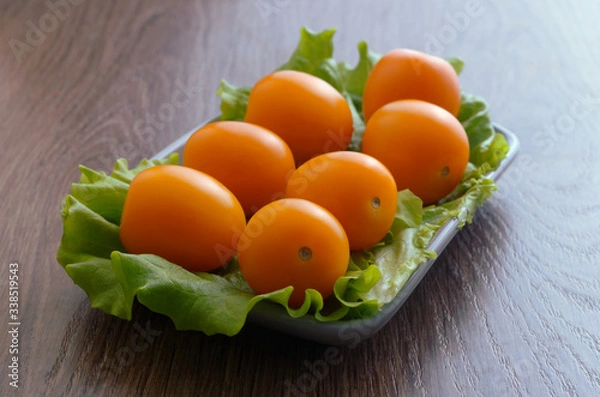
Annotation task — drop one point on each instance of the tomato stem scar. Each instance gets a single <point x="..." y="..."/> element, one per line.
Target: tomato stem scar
<point x="376" y="202"/>
<point x="445" y="171"/>
<point x="305" y="253"/>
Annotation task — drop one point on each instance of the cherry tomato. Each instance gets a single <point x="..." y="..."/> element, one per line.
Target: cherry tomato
<point x="425" y="147"/>
<point x="182" y="215"/>
<point x="356" y="188"/>
<point x="307" y="112"/>
<point x="293" y="242"/>
<point x="409" y="74"/>
<point x="251" y="161"/>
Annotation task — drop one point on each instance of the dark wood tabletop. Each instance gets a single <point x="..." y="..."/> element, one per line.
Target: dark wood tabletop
<point x="511" y="307"/>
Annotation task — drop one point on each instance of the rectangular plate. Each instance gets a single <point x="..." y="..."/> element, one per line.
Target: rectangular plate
<point x="351" y="332"/>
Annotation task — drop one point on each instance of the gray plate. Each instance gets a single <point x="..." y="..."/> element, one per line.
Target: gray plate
<point x="352" y="332"/>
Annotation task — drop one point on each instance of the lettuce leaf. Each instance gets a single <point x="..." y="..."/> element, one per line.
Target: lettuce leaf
<point x="93" y="256"/>
<point x="314" y="55"/>
<point x="219" y="302"/>
<point x="234" y="101"/>
<point x="485" y="145"/>
<point x="457" y="64"/>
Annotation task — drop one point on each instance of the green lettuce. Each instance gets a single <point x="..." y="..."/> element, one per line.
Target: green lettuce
<point x="485" y="145"/>
<point x="93" y="256"/>
<point x="457" y="64"/>
<point x="219" y="302"/>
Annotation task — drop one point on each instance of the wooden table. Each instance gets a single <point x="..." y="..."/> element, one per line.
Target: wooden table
<point x="512" y="306"/>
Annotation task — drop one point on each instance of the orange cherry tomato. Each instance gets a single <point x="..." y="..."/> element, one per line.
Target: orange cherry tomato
<point x="356" y="188"/>
<point x="251" y="161"/>
<point x="293" y="242"/>
<point x="307" y="112"/>
<point x="408" y="74"/>
<point x="182" y="215"/>
<point x="425" y="147"/>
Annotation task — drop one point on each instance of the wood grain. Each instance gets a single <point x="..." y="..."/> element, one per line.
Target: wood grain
<point x="510" y="308"/>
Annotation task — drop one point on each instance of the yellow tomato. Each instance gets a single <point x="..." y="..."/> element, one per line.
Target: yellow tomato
<point x="425" y="147"/>
<point x="309" y="114"/>
<point x="408" y="74"/>
<point x="356" y="188"/>
<point x="251" y="161"/>
<point x="181" y="215"/>
<point x="293" y="242"/>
